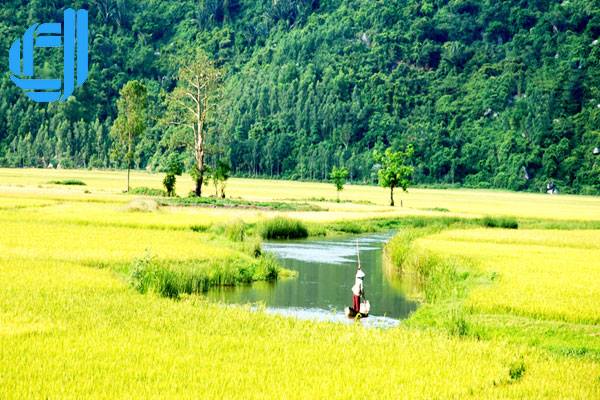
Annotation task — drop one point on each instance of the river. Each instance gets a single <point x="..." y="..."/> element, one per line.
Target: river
<point x="322" y="288"/>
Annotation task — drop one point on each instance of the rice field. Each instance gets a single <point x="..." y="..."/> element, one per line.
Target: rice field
<point x="545" y="274"/>
<point x="71" y="325"/>
<point x="537" y="287"/>
<point x="364" y="201"/>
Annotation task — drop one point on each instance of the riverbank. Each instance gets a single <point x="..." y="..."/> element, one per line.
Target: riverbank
<point x="533" y="287"/>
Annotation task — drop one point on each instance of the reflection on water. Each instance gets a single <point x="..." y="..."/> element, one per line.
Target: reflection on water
<point x="322" y="288"/>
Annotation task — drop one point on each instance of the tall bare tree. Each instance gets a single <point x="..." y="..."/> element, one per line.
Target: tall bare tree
<point x="196" y="95"/>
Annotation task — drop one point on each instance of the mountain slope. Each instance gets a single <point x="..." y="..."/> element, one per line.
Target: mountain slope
<point x="492" y="94"/>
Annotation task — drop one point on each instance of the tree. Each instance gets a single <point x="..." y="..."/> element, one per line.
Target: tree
<point x="198" y="83"/>
<point x="173" y="167"/>
<point x="131" y="120"/>
<point x="394" y="171"/>
<point x="338" y="177"/>
<point x="219" y="175"/>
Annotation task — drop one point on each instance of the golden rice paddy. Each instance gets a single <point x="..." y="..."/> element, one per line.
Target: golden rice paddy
<point x="71" y="328"/>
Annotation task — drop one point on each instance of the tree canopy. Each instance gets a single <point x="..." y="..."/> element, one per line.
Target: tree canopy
<point x="130" y="122"/>
<point x="394" y="170"/>
<point x="491" y="94"/>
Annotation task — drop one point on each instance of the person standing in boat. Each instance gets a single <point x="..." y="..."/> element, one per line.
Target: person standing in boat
<point x="358" y="290"/>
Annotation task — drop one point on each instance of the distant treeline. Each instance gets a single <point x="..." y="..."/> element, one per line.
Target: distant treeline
<point x="500" y="94"/>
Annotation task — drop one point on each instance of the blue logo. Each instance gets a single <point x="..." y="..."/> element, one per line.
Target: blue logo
<point x="75" y="33"/>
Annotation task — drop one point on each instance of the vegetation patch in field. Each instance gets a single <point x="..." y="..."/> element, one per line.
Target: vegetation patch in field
<point x="142" y="205"/>
<point x="68" y="182"/>
<point x="174" y="278"/>
<point x="327" y="200"/>
<point x="437" y="209"/>
<point x="236" y="231"/>
<point x="283" y="228"/>
<point x="146" y="191"/>
<point x="500" y="222"/>
<point x="238" y="203"/>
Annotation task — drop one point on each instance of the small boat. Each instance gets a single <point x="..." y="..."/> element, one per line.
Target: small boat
<point x="365" y="307"/>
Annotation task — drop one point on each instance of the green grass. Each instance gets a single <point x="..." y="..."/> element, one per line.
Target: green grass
<point x="432" y="277"/>
<point x="500" y="222"/>
<point x="68" y="182"/>
<point x="174" y="278"/>
<point x="282" y="228"/>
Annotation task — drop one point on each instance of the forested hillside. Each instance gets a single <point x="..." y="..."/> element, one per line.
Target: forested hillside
<point x="499" y="94"/>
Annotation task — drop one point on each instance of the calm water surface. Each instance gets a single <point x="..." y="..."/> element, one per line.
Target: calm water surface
<point x="322" y="289"/>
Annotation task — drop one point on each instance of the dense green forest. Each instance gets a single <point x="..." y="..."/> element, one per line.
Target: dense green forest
<point x="501" y="94"/>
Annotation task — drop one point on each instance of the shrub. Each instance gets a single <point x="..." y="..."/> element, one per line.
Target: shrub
<point x="68" y="182"/>
<point x="283" y="228"/>
<point x="169" y="184"/>
<point x="500" y="222"/>
<point x="146" y="191"/>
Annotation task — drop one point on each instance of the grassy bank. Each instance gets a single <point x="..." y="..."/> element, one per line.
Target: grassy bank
<point x="504" y="285"/>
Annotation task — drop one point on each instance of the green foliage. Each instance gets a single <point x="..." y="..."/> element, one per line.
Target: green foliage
<point x="491" y="94"/>
<point x="219" y="176"/>
<point x="68" y="182"/>
<point x="394" y="170"/>
<point x="131" y="120"/>
<point x="173" y="167"/>
<point x="169" y="184"/>
<point x="338" y="177"/>
<point x="283" y="228"/>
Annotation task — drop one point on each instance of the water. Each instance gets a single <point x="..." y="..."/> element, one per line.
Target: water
<point x="322" y="289"/>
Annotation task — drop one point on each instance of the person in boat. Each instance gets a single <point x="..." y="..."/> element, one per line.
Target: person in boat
<point x="358" y="290"/>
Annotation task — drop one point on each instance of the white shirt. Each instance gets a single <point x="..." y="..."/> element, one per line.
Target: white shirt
<point x="358" y="287"/>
